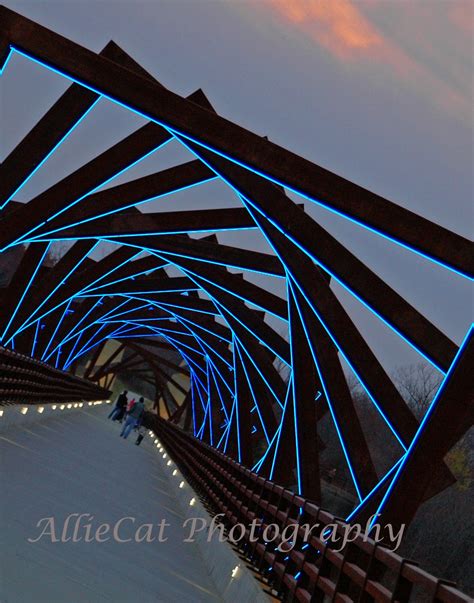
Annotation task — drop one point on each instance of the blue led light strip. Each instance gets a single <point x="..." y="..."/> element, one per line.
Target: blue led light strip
<point x="280" y="427"/>
<point x="23" y="295"/>
<point x="341" y="351"/>
<point x="35" y="311"/>
<point x="183" y="136"/>
<point x="45" y="235"/>
<point x="424" y="421"/>
<point x="51" y="339"/>
<point x="43" y="161"/>
<point x="195" y="275"/>
<point x="254" y="397"/>
<point x="7" y="60"/>
<point x="289" y="292"/>
<point x="247" y="202"/>
<point x="328" y="399"/>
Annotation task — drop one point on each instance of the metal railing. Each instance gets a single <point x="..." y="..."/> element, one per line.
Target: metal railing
<point x="312" y="571"/>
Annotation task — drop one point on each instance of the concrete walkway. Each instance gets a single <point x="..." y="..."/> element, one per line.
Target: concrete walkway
<point x="77" y="463"/>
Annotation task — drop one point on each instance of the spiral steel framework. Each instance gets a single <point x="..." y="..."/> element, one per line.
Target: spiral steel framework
<point x="233" y="396"/>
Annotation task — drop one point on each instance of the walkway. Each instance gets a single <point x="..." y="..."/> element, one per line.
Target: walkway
<point x="77" y="463"/>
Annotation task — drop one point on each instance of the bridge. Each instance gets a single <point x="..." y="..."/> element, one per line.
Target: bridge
<point x="242" y="384"/>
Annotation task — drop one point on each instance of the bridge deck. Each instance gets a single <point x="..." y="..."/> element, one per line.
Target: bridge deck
<point x="77" y="463"/>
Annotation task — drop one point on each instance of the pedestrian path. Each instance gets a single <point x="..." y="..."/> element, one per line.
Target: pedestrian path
<point x="78" y="464"/>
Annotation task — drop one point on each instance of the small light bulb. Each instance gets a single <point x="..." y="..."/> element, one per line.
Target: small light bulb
<point x="181" y="484"/>
<point x="24" y="410"/>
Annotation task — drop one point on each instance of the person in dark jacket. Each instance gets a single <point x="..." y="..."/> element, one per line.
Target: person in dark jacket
<point x="118" y="410"/>
<point x="134" y="418"/>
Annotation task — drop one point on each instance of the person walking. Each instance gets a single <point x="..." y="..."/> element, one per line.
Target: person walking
<point x="133" y="418"/>
<point x="140" y="430"/>
<point x="119" y="407"/>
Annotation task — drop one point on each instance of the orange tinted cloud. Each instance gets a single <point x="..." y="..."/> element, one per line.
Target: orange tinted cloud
<point x="462" y="15"/>
<point x="348" y="34"/>
<point x="335" y="24"/>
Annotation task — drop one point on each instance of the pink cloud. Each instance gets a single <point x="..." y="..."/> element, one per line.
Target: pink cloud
<point x="336" y="25"/>
<point x="462" y="15"/>
<point x="346" y="31"/>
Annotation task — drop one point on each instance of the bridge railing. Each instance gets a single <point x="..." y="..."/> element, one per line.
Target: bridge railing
<point x="312" y="570"/>
<point x="27" y="380"/>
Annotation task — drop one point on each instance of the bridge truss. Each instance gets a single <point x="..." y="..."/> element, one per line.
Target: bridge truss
<point x="169" y="284"/>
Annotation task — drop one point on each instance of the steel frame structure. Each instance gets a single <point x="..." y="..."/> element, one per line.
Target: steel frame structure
<point x="211" y="315"/>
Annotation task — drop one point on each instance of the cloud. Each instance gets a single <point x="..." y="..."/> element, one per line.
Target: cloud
<point x="351" y="33"/>
<point x="336" y="25"/>
<point x="462" y="15"/>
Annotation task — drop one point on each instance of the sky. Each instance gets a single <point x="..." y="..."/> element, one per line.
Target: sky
<point x="377" y="91"/>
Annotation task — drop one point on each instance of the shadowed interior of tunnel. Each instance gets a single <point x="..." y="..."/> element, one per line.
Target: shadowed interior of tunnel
<point x="202" y="267"/>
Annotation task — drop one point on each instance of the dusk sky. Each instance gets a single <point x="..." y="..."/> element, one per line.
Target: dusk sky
<point x="379" y="92"/>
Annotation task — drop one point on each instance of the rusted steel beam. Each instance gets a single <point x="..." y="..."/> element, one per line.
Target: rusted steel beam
<point x="334" y="257"/>
<point x="340" y="399"/>
<point x="130" y="362"/>
<point x="255" y="324"/>
<point x="94" y="271"/>
<point x="305" y="386"/>
<point x="449" y="418"/>
<point x="127" y="223"/>
<point x="233" y="284"/>
<point x="145" y="286"/>
<point x="94" y="359"/>
<point x="148" y="264"/>
<point x="216" y="253"/>
<point x="178" y="413"/>
<point x="82" y="181"/>
<point x="186" y="302"/>
<point x="262" y="360"/>
<point x="47" y="134"/>
<point x="329" y="311"/>
<point x="56" y="277"/>
<point x="164" y="361"/>
<point x="102" y="370"/>
<point x="195" y="123"/>
<point x="13" y="295"/>
<point x="123" y="196"/>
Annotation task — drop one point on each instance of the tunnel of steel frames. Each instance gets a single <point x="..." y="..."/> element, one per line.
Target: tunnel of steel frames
<point x="245" y="437"/>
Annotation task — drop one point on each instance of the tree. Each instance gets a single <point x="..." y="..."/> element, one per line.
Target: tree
<point x="457" y="460"/>
<point x="418" y="384"/>
<point x="55" y="253"/>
